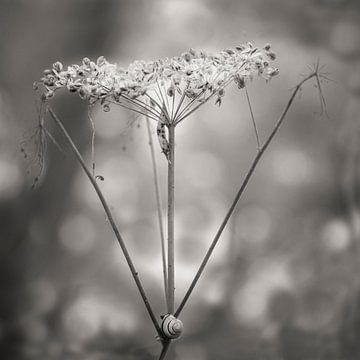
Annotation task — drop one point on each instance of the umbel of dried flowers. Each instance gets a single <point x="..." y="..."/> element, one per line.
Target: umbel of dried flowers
<point x="166" y="90"/>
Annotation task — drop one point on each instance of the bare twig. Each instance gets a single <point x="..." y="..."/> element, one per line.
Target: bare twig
<point x="93" y="132"/>
<point x="253" y="120"/>
<point x="165" y="348"/>
<point x="171" y="210"/>
<point x="158" y="205"/>
<point x="241" y="190"/>
<point x="111" y="220"/>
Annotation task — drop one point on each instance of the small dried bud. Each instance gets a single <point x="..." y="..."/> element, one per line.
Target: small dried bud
<point x="50" y="81"/>
<point x="170" y="91"/>
<point x="271" y="55"/>
<point x="240" y="81"/>
<point x="57" y="66"/>
<point x="176" y="80"/>
<point x="100" y="61"/>
<point x="86" y="61"/>
<point x="267" y="47"/>
<point x="273" y="72"/>
<point x="83" y="94"/>
<point x="240" y="47"/>
<point x="47" y="72"/>
<point x="187" y="57"/>
<point x="72" y="88"/>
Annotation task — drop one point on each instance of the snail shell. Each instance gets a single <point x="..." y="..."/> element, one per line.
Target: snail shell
<point x="171" y="327"/>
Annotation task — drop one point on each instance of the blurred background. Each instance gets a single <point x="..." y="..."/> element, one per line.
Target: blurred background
<point x="283" y="282"/>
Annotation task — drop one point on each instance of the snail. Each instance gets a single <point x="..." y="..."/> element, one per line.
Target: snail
<point x="171" y="327"/>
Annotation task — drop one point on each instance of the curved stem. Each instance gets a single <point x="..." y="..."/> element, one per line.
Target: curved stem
<point x="240" y="192"/>
<point x="111" y="220"/>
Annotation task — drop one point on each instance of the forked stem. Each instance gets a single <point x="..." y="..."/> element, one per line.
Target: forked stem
<point x="248" y="175"/>
<point x="111" y="220"/>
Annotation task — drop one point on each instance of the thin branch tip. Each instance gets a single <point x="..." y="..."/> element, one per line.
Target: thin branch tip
<point x="243" y="187"/>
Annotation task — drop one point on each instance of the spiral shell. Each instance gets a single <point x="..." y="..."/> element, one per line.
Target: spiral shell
<point x="171" y="327"/>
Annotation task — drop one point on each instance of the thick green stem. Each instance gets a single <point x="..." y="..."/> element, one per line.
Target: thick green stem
<point x="171" y="208"/>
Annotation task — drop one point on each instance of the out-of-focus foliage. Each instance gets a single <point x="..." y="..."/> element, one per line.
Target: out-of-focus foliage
<point x="283" y="282"/>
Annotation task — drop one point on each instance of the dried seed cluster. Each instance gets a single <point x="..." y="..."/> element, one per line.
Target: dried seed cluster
<point x="168" y="89"/>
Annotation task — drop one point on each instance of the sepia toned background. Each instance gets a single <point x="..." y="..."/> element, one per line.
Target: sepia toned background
<point x="283" y="282"/>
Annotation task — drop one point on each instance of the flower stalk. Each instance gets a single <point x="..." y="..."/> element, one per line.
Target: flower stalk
<point x="159" y="212"/>
<point x="171" y="213"/>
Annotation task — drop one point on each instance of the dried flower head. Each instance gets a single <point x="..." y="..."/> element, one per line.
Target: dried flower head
<point x="170" y="88"/>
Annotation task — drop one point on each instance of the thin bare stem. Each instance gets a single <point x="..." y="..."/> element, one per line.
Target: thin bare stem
<point x="142" y="105"/>
<point x="173" y="106"/>
<point x="165" y="348"/>
<point x="93" y="132"/>
<point x="52" y="139"/>
<point x="181" y="102"/>
<point x="152" y="100"/>
<point x="111" y="220"/>
<point x="158" y="205"/>
<point x="182" y="115"/>
<point x="132" y="109"/>
<point x="253" y="120"/>
<point x="164" y="102"/>
<point x="240" y="192"/>
<point x="171" y="210"/>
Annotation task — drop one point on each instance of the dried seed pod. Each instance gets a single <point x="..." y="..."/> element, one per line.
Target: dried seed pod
<point x="171" y="327"/>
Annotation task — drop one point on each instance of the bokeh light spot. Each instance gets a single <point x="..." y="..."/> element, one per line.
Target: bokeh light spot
<point x="180" y="14"/>
<point x="291" y="167"/>
<point x="10" y="178"/>
<point x="77" y="234"/>
<point x="250" y="303"/>
<point x="42" y="296"/>
<point x="93" y="312"/>
<point x="336" y="235"/>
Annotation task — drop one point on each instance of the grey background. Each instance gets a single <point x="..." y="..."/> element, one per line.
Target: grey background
<point x="283" y="283"/>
